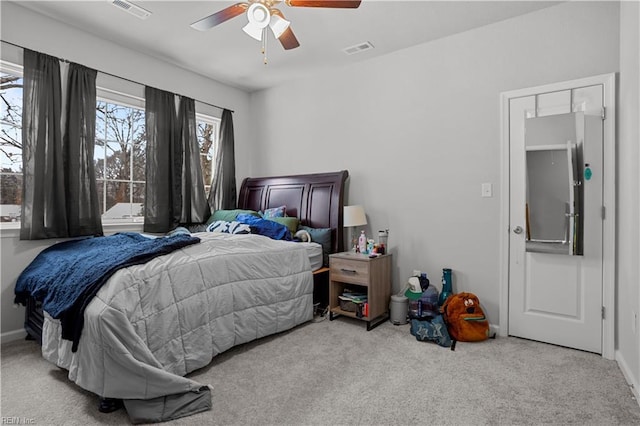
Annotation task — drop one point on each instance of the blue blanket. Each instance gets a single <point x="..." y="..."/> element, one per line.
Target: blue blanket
<point x="66" y="276"/>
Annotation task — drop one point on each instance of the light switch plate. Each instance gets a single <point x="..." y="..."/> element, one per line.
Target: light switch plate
<point x="487" y="190"/>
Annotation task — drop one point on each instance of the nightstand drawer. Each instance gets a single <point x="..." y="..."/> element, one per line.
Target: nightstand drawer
<point x="348" y="270"/>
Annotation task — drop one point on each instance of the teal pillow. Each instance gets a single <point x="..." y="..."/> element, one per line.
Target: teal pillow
<point x="230" y="215"/>
<point x="321" y="236"/>
<point x="289" y="222"/>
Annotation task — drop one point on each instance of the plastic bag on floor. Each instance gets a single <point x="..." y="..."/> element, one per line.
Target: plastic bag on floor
<point x="434" y="330"/>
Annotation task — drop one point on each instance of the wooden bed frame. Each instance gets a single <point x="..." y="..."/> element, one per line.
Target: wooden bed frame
<point x="316" y="199"/>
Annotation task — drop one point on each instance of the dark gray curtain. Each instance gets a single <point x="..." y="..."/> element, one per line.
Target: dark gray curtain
<point x="43" y="192"/>
<point x="162" y="201"/>
<point x="83" y="208"/>
<point x="194" y="208"/>
<point x="223" y="185"/>
<point x="59" y="188"/>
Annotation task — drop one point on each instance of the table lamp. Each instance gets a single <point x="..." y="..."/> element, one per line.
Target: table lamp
<point x="353" y="216"/>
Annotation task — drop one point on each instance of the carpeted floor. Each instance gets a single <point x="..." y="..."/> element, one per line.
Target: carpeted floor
<point x="335" y="372"/>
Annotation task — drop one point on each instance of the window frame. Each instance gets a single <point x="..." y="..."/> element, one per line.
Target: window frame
<point x="114" y="97"/>
<point x="215" y="122"/>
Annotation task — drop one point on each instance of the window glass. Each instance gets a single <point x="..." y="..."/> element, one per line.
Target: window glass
<point x="120" y="161"/>
<point x="207" y="131"/>
<point x="10" y="146"/>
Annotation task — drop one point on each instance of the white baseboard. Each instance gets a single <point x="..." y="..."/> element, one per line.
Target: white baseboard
<point x="495" y="330"/>
<point x="626" y="372"/>
<point x="11" y="336"/>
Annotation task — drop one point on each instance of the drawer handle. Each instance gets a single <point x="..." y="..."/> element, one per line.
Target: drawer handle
<point x="348" y="271"/>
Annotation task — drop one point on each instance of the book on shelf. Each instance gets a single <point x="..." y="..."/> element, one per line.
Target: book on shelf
<point x="355" y="298"/>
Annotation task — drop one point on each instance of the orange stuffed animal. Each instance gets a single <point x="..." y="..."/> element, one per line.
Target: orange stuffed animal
<point x="464" y="318"/>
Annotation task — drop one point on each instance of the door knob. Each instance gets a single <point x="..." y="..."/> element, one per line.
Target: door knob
<point x="518" y="229"/>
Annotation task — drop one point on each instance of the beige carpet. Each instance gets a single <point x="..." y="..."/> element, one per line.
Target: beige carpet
<point x="335" y="372"/>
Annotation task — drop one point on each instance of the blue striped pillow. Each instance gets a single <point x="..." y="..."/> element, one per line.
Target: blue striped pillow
<point x="229" y="227"/>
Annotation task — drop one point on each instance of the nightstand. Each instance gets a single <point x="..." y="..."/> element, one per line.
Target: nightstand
<point x="363" y="274"/>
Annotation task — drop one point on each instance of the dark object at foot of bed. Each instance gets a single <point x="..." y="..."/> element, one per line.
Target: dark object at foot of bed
<point x="33" y="320"/>
<point x="109" y="405"/>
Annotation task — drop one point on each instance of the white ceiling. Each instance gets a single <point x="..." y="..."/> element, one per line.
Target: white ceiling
<point x="225" y="53"/>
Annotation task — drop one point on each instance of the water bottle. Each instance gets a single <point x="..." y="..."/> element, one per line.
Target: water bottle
<point x="362" y="243"/>
<point x="383" y="237"/>
<point x="447" y="289"/>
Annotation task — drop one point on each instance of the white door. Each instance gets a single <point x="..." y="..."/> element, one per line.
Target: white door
<point x="555" y="275"/>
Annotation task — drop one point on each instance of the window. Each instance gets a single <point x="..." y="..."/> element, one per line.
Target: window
<point x="119" y="158"/>
<point x="10" y="146"/>
<point x="207" y="132"/>
<point x="119" y="155"/>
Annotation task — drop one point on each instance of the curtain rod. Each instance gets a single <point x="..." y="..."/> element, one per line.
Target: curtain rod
<point x="113" y="75"/>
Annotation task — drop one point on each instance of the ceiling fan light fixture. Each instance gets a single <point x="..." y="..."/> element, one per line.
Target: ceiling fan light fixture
<point x="253" y="31"/>
<point x="258" y="15"/>
<point x="278" y="25"/>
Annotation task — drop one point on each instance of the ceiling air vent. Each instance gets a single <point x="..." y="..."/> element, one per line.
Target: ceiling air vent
<point x="360" y="47"/>
<point x="131" y="8"/>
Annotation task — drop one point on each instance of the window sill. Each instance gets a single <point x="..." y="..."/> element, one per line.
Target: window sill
<point x="12" y="229"/>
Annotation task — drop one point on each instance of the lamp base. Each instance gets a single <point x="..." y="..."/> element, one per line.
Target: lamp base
<point x="353" y="243"/>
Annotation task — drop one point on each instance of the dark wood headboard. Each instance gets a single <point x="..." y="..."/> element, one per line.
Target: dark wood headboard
<point x="316" y="199"/>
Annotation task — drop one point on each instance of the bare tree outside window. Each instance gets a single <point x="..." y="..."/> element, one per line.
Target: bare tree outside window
<point x="120" y="161"/>
<point x="207" y="133"/>
<point x="10" y="147"/>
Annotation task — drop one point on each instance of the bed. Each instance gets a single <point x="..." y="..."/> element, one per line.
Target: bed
<point x="152" y="324"/>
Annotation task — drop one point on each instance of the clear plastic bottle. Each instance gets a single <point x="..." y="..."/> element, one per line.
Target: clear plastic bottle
<point x="362" y="243"/>
<point x="429" y="300"/>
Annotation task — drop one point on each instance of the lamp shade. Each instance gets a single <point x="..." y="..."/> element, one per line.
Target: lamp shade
<point x="354" y="216"/>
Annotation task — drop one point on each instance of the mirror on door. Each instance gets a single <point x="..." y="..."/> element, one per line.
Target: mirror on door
<point x="553" y="146"/>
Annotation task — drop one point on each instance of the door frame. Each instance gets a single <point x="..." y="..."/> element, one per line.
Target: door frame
<point x="608" y="200"/>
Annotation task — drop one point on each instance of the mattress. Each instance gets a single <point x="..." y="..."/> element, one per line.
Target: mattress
<point x="314" y="251"/>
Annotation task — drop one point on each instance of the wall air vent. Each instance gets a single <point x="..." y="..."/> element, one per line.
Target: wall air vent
<point x="360" y="47"/>
<point x="131" y="8"/>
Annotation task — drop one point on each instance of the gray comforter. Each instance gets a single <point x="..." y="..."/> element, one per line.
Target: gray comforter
<point x="152" y="324"/>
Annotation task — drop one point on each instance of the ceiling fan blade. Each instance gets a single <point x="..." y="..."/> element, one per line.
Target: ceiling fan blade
<point x="344" y="4"/>
<point x="287" y="39"/>
<point x="220" y="17"/>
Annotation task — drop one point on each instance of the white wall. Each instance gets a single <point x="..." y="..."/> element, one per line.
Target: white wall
<point x="26" y="28"/>
<point x="16" y="255"/>
<point x="418" y="131"/>
<point x="628" y="250"/>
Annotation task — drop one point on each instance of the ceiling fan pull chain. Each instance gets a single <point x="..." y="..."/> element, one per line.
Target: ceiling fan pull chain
<point x="264" y="45"/>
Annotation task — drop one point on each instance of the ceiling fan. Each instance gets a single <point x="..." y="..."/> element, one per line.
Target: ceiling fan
<point x="263" y="13"/>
